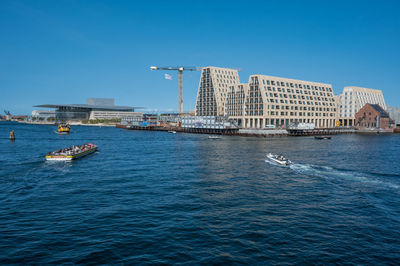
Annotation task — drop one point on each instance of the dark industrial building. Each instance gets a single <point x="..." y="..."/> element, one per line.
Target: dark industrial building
<point x="68" y="112"/>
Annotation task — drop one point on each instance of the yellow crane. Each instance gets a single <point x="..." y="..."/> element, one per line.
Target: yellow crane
<point x="180" y="72"/>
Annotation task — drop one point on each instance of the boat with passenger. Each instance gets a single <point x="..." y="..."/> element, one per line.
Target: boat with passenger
<point x="280" y="159"/>
<point x="71" y="153"/>
<point x="64" y="128"/>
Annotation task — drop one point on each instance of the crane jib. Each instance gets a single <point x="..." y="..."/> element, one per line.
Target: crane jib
<point x="180" y="72"/>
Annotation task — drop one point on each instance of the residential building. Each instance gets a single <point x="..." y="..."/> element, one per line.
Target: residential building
<point x="353" y="99"/>
<point x="279" y="101"/>
<point x="235" y="102"/>
<point x="372" y="116"/>
<point x="213" y="90"/>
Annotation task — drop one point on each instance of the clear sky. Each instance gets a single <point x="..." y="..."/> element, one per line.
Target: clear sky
<point x="67" y="51"/>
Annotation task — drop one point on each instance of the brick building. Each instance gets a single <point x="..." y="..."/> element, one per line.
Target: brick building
<point x="373" y="116"/>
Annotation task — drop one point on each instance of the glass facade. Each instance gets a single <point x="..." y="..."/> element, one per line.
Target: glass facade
<point x="67" y="113"/>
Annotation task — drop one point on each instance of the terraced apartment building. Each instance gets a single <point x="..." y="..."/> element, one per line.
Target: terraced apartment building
<point x="235" y="102"/>
<point x="268" y="100"/>
<point x="353" y="99"/>
<point x="213" y="90"/>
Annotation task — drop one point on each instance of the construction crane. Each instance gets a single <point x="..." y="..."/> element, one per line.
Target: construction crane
<point x="180" y="72"/>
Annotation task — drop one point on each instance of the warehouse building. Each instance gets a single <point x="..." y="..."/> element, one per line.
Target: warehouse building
<point x="373" y="116"/>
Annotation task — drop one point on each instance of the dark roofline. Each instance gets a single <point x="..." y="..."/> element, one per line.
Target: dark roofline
<point x="88" y="106"/>
<point x="380" y="110"/>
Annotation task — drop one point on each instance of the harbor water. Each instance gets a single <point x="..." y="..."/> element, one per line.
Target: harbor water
<point x="156" y="197"/>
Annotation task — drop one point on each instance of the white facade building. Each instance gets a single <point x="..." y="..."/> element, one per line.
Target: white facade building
<point x="112" y="114"/>
<point x="268" y="101"/>
<point x="353" y="99"/>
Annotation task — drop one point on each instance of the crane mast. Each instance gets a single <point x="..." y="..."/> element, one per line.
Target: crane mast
<point x="180" y="80"/>
<point x="180" y="76"/>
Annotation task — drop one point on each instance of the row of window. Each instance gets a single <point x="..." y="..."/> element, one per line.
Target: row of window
<point x="298" y="91"/>
<point x="259" y="100"/>
<point x="287" y="107"/>
<point x="223" y="71"/>
<point x="292" y="85"/>
<point x="281" y="113"/>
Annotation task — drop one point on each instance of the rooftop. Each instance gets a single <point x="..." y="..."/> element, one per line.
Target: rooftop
<point x="89" y="106"/>
<point x="100" y="104"/>
<point x="380" y="110"/>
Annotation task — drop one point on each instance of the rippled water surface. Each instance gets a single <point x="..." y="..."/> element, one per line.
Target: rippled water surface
<point x="155" y="197"/>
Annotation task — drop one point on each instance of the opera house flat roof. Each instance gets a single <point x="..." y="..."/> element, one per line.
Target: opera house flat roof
<point x="89" y="106"/>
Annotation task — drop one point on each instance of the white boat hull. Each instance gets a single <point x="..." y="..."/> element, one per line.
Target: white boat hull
<point x="272" y="158"/>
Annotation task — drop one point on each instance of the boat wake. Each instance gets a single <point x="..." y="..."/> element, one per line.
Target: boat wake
<point x="334" y="173"/>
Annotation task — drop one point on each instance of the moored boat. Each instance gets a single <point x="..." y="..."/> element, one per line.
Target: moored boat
<point x="214" y="137"/>
<point x="172" y="131"/>
<point x="71" y="153"/>
<point x="280" y="159"/>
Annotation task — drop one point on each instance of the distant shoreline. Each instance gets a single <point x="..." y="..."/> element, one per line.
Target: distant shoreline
<point x="72" y="124"/>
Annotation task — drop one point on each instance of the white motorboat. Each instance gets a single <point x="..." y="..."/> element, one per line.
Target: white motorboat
<point x="214" y="137"/>
<point x="172" y="131"/>
<point x="280" y="159"/>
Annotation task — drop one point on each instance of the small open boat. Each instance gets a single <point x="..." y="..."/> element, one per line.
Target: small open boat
<point x="214" y="137"/>
<point x="71" y="153"/>
<point x="280" y="159"/>
<point x="172" y="131"/>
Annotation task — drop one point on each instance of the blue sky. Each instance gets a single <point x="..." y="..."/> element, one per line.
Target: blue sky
<point x="67" y="51"/>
